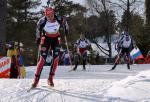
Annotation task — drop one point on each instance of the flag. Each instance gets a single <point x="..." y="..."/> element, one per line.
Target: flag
<point x="136" y="54"/>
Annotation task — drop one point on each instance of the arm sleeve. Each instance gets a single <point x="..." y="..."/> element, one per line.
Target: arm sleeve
<point x="38" y="27"/>
<point x="65" y="25"/>
<point x="77" y="43"/>
<point x="88" y="42"/>
<point x="62" y="20"/>
<point x="133" y="42"/>
<point x="120" y="41"/>
<point x="120" y="38"/>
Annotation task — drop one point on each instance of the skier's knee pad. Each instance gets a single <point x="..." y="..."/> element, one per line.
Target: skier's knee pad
<point x="56" y="52"/>
<point x="43" y="52"/>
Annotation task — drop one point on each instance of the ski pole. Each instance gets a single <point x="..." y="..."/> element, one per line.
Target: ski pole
<point x="66" y="42"/>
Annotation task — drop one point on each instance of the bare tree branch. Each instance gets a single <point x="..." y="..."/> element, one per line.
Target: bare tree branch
<point x="97" y="7"/>
<point x="131" y="3"/>
<point x="117" y="5"/>
<point x="140" y="1"/>
<point x="123" y="2"/>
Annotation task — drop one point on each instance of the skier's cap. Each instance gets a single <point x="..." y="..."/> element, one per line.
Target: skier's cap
<point x="126" y="33"/>
<point x="49" y="11"/>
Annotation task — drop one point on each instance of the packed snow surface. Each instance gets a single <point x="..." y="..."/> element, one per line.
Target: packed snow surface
<point x="96" y="84"/>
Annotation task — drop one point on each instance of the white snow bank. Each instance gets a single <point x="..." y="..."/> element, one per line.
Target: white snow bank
<point x="133" y="88"/>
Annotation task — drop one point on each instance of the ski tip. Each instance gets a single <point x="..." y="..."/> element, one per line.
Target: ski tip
<point x="49" y="87"/>
<point x="110" y="70"/>
<point x="28" y="90"/>
<point x="31" y="88"/>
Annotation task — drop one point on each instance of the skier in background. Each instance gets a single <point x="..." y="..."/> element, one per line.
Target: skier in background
<point x="124" y="46"/>
<point x="82" y="45"/>
<point x="48" y="36"/>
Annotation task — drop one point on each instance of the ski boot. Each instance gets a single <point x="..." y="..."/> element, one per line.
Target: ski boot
<point x="33" y="86"/>
<point x="50" y="81"/>
<point x="74" y="69"/>
<point x="128" y="66"/>
<point x="84" y="68"/>
<point x="35" y="83"/>
<point x="112" y="68"/>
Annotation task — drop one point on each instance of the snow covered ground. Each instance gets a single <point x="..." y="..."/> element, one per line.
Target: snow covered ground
<point x="96" y="84"/>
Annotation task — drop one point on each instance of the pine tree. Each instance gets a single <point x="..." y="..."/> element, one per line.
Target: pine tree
<point x="2" y="25"/>
<point x="147" y="11"/>
<point x="66" y="7"/>
<point x="21" y="19"/>
<point x="21" y="23"/>
<point x="147" y="26"/>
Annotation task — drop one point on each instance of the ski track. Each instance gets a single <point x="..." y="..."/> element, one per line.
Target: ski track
<point x="75" y="90"/>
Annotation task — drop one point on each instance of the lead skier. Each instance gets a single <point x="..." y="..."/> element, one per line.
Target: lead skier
<point x="48" y="37"/>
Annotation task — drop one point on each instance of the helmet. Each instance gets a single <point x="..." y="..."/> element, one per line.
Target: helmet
<point x="49" y="11"/>
<point x="126" y="33"/>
